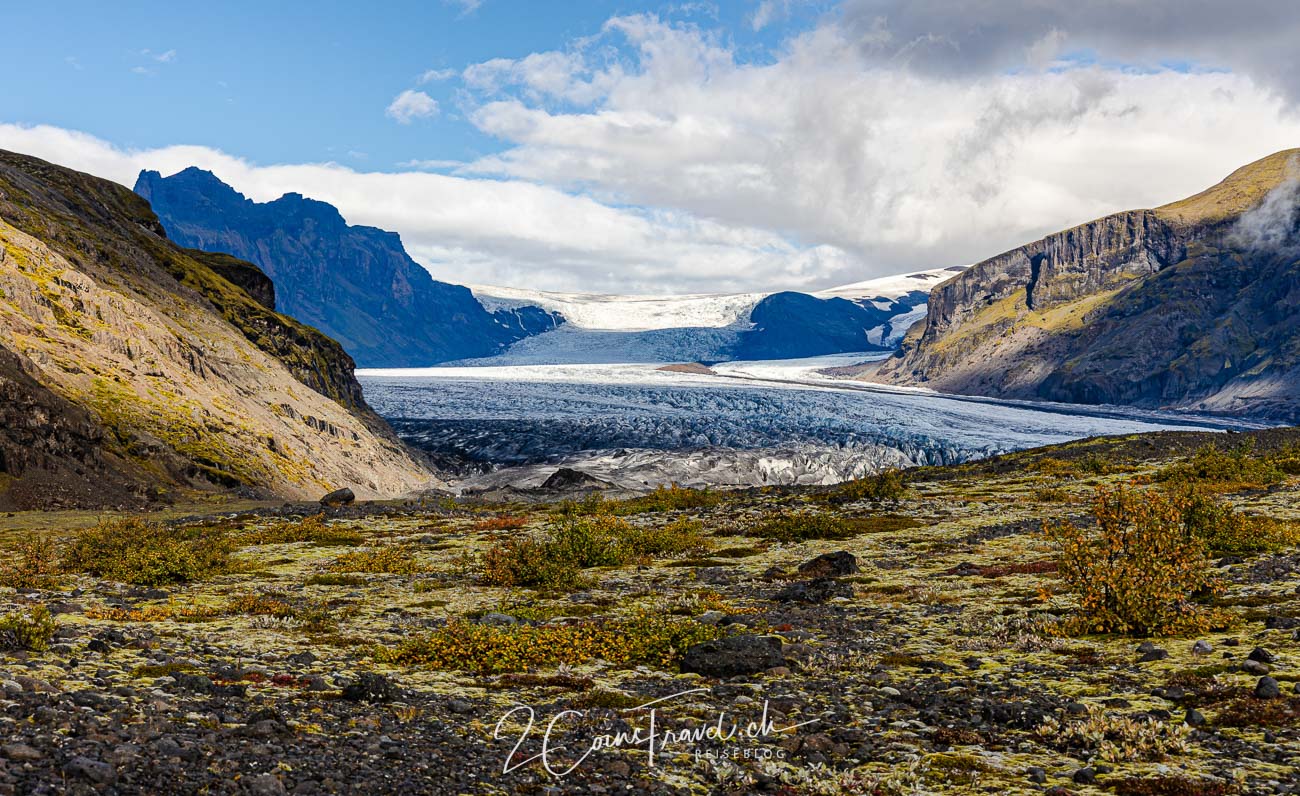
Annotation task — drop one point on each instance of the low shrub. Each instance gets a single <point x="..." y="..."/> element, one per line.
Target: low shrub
<point x="1237" y="467"/>
<point x="1051" y="494"/>
<point x="554" y="560"/>
<point x="505" y="522"/>
<point x="312" y="529"/>
<point x="884" y="487"/>
<point x="28" y="629"/>
<point x="802" y="526"/>
<point x="1139" y="571"/>
<point x="1116" y="739"/>
<point x="643" y="638"/>
<point x="31" y="564"/>
<point x="527" y="562"/>
<point x="143" y="553"/>
<point x="286" y="531"/>
<point x="392" y="559"/>
<point x="1224" y="530"/>
<point x="679" y="537"/>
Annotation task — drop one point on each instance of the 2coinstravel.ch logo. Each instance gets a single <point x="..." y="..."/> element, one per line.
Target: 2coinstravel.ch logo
<point x="717" y="738"/>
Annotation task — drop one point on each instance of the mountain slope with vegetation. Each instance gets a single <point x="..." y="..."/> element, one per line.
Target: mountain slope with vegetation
<point x="1192" y="304"/>
<point x="134" y="367"/>
<point x="357" y="284"/>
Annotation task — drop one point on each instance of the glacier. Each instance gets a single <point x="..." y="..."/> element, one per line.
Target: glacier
<point x="612" y="329"/>
<point x="741" y="424"/>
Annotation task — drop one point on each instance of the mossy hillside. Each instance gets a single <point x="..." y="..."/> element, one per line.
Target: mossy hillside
<point x="164" y="350"/>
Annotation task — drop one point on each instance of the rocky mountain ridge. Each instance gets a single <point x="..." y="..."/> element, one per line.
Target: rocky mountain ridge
<point x="1188" y="305"/>
<point x="133" y="368"/>
<point x="355" y="283"/>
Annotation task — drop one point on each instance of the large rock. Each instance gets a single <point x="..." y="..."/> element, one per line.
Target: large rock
<point x="734" y="655"/>
<point x="339" y="497"/>
<point x="566" y="479"/>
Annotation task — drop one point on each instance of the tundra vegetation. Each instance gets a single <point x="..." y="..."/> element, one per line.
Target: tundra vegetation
<point x="1110" y="616"/>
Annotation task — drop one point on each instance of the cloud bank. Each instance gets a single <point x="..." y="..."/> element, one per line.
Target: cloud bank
<point x="657" y="156"/>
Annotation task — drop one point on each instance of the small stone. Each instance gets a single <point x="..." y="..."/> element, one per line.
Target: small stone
<point x="830" y="565"/>
<point x="1037" y="775"/>
<point x="1194" y="718"/>
<point x="711" y="617"/>
<point x="1085" y="776"/>
<point x="96" y="771"/>
<point x="889" y="690"/>
<point x="1255" y="667"/>
<point x="1146" y="647"/>
<point x="460" y="706"/>
<point x="265" y="785"/>
<point x="1262" y="655"/>
<point x="370" y="687"/>
<point x="1156" y="654"/>
<point x="20" y="752"/>
<point x="1267" y="688"/>
<point x="1202" y="647"/>
<point x="1076" y="709"/>
<point x="497" y="619"/>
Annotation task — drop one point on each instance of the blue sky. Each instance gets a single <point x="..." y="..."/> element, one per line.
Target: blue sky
<point x="620" y="146"/>
<point x="282" y="82"/>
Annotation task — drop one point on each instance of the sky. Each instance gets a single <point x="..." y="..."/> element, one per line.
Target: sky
<point x="632" y="147"/>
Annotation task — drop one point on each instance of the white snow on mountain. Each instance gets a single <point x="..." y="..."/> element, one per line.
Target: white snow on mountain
<point x="892" y="287"/>
<point x="629" y="313"/>
<point x="609" y="329"/>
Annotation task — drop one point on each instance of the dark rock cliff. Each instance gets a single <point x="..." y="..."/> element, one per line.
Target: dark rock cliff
<point x="790" y="325"/>
<point x="357" y="284"/>
<point x="1187" y="305"/>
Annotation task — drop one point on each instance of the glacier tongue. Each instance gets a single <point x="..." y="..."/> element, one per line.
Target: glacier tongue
<point x="781" y="421"/>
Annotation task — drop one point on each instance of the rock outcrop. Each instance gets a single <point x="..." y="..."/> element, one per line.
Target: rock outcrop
<point x="355" y="283"/>
<point x="1189" y="305"/>
<point x="132" y="368"/>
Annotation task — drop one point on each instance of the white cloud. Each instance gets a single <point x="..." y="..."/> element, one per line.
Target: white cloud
<point x="467" y="7"/>
<point x="652" y="157"/>
<point x="484" y="231"/>
<point x="436" y="75"/>
<point x="411" y="105"/>
<point x="898" y="167"/>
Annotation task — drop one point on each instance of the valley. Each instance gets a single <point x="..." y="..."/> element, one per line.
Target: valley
<point x="742" y="424"/>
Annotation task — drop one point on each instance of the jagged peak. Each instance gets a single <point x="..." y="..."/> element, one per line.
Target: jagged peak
<point x="1240" y="191"/>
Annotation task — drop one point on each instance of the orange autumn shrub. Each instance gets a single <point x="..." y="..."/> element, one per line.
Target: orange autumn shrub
<point x="1139" y="570"/>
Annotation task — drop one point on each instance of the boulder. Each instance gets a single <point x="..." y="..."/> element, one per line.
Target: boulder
<point x="566" y="479"/>
<point x="339" y="497"/>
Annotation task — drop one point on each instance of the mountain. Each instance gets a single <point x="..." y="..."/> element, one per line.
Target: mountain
<point x="132" y="368"/>
<point x="356" y="284"/>
<point x="602" y="329"/>
<point x="1195" y="304"/>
